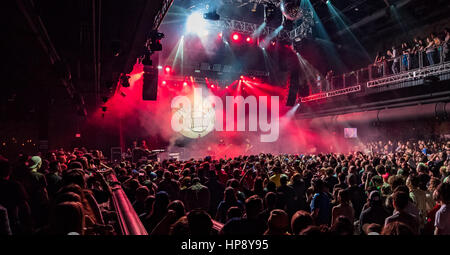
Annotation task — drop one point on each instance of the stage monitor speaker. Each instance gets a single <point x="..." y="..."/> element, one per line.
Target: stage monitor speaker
<point x="150" y="83"/>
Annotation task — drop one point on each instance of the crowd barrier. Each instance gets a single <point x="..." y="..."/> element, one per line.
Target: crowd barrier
<point x="128" y="220"/>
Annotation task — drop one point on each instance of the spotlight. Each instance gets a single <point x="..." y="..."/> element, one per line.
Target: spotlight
<point x="269" y="10"/>
<point x="167" y="69"/>
<point x="211" y="15"/>
<point x="155" y="41"/>
<point x="220" y="35"/>
<point x="156" y="45"/>
<point x="163" y="82"/>
<point x="236" y="37"/>
<point x="154" y="34"/>
<point x="196" y="24"/>
<point x="159" y="67"/>
<point x="255" y="5"/>
<point x="212" y="85"/>
<point x="249" y="39"/>
<point x="185" y="84"/>
<point x="124" y="80"/>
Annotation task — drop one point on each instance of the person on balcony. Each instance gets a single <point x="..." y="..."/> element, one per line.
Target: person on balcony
<point x="446" y="44"/>
<point x="329" y="78"/>
<point x="416" y="52"/>
<point x="405" y="56"/>
<point x="379" y="59"/>
<point x="438" y="44"/>
<point x="395" y="64"/>
<point x="430" y="49"/>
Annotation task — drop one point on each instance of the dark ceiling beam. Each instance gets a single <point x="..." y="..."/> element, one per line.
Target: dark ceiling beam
<point x="346" y="9"/>
<point x="61" y="68"/>
<point x="161" y="13"/>
<point x="96" y="34"/>
<point x="150" y="11"/>
<point x="375" y="16"/>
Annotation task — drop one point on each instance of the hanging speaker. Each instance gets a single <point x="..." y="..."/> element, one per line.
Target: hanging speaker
<point x="293" y="89"/>
<point x="150" y="83"/>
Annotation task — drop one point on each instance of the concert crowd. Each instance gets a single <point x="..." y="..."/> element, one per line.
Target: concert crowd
<point x="391" y="188"/>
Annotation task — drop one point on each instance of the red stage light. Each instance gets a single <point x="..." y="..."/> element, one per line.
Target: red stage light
<point x="163" y="82"/>
<point x="212" y="85"/>
<point x="249" y="39"/>
<point x="167" y="69"/>
<point x="236" y="37"/>
<point x="220" y="35"/>
<point x="242" y="77"/>
<point x="77" y="135"/>
<point x="185" y="83"/>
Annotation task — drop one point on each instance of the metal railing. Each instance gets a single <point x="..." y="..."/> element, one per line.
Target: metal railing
<point x="128" y="220"/>
<point x="403" y="68"/>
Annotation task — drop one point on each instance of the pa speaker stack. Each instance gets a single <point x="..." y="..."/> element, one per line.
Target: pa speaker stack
<point x="150" y="83"/>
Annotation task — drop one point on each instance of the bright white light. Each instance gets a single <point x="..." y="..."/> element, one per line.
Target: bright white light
<point x="196" y="24"/>
<point x="159" y="67"/>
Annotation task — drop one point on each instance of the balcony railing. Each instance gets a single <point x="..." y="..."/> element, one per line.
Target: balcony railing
<point x="407" y="67"/>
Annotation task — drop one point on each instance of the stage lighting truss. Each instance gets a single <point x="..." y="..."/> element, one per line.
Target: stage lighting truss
<point x="339" y="92"/>
<point x="202" y="80"/>
<point x="410" y="75"/>
<point x="269" y="10"/>
<point x="304" y="29"/>
<point x="243" y="27"/>
<point x="161" y="13"/>
<point x="225" y="69"/>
